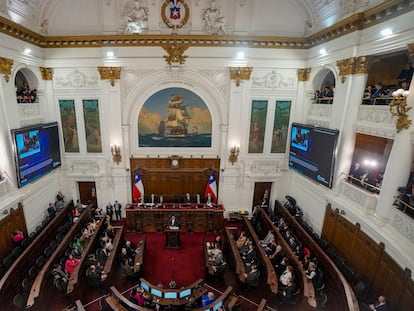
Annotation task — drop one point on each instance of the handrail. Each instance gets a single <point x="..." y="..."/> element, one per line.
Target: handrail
<point x="240" y="269"/>
<point x="307" y="288"/>
<point x="124" y="301"/>
<point x="350" y="299"/>
<point x="38" y="283"/>
<point x="139" y="255"/>
<point x="323" y="100"/>
<point x="382" y="101"/>
<point x="272" y="279"/>
<point x="361" y="181"/>
<point x="116" y="243"/>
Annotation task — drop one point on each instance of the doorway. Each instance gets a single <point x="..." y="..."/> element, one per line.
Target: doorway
<point x="87" y="192"/>
<point x="261" y="190"/>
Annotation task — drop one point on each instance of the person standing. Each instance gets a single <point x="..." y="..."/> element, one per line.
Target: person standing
<point x="118" y="209"/>
<point x="109" y="210"/>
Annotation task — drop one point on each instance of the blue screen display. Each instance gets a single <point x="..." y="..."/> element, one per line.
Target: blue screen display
<point x="185" y="293"/>
<point x="217" y="306"/>
<point x="156" y="292"/>
<point x="36" y="151"/>
<point x="170" y="295"/>
<point x="145" y="286"/>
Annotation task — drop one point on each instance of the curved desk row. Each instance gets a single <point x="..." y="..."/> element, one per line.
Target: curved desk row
<point x="21" y="266"/>
<point x="235" y="254"/>
<point x="305" y="285"/>
<point x="344" y="292"/>
<point x="218" y="303"/>
<point x="41" y="279"/>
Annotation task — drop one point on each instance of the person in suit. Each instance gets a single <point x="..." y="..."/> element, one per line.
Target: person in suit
<point x="380" y="305"/>
<point x="378" y="92"/>
<point x="159" y="200"/>
<point x="187" y="198"/>
<point x="286" y="294"/>
<point x="173" y="221"/>
<point x="151" y="200"/>
<point x="252" y="276"/>
<point x="118" y="209"/>
<point x="109" y="210"/>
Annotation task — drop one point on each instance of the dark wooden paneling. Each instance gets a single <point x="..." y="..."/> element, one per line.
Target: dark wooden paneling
<point x="370" y="260"/>
<point x="159" y="178"/>
<point x="14" y="220"/>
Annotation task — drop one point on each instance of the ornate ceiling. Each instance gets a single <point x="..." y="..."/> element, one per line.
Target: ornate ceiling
<point x="259" y="18"/>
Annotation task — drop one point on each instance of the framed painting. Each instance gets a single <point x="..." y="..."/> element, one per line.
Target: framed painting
<point x="257" y="126"/>
<point x="92" y="125"/>
<point x="69" y="126"/>
<point x="174" y="117"/>
<point x="280" y="126"/>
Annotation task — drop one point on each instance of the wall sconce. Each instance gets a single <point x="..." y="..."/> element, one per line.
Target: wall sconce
<point x="234" y="154"/>
<point x="399" y="108"/>
<point x="116" y="153"/>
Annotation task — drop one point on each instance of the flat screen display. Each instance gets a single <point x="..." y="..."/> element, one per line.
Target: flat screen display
<point x="156" y="292"/>
<point x="218" y="305"/>
<point x="36" y="151"/>
<point x="312" y="152"/>
<point x="145" y="286"/>
<point x="185" y="292"/>
<point x="170" y="295"/>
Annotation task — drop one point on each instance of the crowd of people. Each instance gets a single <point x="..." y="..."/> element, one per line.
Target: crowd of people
<point x="367" y="178"/>
<point x="325" y="96"/>
<point x="25" y="95"/>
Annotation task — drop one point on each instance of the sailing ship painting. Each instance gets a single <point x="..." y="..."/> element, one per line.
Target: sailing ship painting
<point x="174" y="117"/>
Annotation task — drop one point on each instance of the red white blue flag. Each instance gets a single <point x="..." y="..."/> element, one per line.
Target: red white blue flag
<point x="138" y="188"/>
<point x="212" y="187"/>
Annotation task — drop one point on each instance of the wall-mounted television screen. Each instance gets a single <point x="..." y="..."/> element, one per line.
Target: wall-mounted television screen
<point x="170" y="295"/>
<point x="312" y="152"/>
<point x="36" y="151"/>
<point x="156" y="292"/>
<point x="145" y="286"/>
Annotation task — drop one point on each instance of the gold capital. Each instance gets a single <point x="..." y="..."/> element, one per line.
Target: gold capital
<point x="303" y="74"/>
<point x="5" y="67"/>
<point x="110" y="73"/>
<point x="175" y="52"/>
<point x="47" y="73"/>
<point x="240" y="73"/>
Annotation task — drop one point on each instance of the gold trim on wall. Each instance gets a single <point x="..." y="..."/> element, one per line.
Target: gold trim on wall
<point x="110" y="73"/>
<point x="304" y="74"/>
<point x="385" y="11"/>
<point x="47" y="73"/>
<point x="6" y="67"/>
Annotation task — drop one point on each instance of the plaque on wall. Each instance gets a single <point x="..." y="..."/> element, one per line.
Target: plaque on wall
<point x="175" y="161"/>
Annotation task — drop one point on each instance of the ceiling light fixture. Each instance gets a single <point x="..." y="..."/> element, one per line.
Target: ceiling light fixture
<point x="322" y="52"/>
<point x="27" y="51"/>
<point x="109" y="54"/>
<point x="386" y="32"/>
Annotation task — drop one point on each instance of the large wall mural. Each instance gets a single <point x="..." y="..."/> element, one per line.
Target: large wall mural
<point x="174" y="117"/>
<point x="69" y="128"/>
<point x="280" y="126"/>
<point x="257" y="126"/>
<point x="92" y="125"/>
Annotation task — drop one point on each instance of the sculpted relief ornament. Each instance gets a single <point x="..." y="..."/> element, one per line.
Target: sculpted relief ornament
<point x="213" y="20"/>
<point x="273" y="80"/>
<point x="76" y="79"/>
<point x="136" y="17"/>
<point x="175" y="13"/>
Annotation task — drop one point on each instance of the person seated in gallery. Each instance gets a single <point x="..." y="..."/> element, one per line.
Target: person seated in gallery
<point x="328" y="92"/>
<point x="241" y="240"/>
<point x="252" y="277"/>
<point x="128" y="268"/>
<point x="94" y="276"/>
<point x="406" y="74"/>
<point x="207" y="299"/>
<point x="315" y="275"/>
<point x="218" y="270"/>
<point x="60" y="196"/>
<point x="380" y="305"/>
<point x="378" y="93"/>
<point x="51" y="210"/>
<point x="405" y="85"/>
<point x="356" y="173"/>
<point x="173" y="222"/>
<point x="59" y="205"/>
<point x="250" y="256"/>
<point x="125" y="256"/>
<point x="268" y="238"/>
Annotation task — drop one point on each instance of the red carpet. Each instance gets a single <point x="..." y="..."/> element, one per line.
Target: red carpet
<point x="185" y="265"/>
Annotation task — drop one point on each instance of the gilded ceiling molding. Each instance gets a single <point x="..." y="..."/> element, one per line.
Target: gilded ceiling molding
<point x="110" y="73"/>
<point x="345" y="68"/>
<point x="6" y="67"/>
<point x="410" y="48"/>
<point x="240" y="73"/>
<point x="304" y="74"/>
<point x="47" y="73"/>
<point x="378" y="14"/>
<point x="175" y="53"/>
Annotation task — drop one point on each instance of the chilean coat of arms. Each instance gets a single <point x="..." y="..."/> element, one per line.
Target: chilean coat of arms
<point x="175" y="13"/>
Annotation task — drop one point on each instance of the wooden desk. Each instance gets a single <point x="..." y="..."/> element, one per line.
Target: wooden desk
<point x="139" y="255"/>
<point x="41" y="278"/>
<point x="338" y="283"/>
<point x="190" y="219"/>
<point x="120" y="302"/>
<point x="197" y="290"/>
<point x="172" y="238"/>
<point x="20" y="267"/>
<point x="306" y="286"/>
<point x="114" y="253"/>
<point x="272" y="279"/>
<point x="222" y="297"/>
<point x="114" y="304"/>
<point x="235" y="255"/>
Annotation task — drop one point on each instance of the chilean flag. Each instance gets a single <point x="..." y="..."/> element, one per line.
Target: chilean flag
<point x="138" y="188"/>
<point x="212" y="187"/>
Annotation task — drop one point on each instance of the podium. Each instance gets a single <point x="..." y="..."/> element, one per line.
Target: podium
<point x="172" y="237"/>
